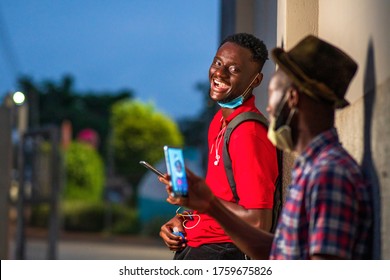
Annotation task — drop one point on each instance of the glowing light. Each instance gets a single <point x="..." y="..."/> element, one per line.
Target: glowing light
<point x="19" y="97"/>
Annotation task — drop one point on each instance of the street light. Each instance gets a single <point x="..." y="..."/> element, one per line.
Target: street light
<point x="18" y="98"/>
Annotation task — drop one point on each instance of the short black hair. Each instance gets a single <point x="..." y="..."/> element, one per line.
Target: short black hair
<point x="252" y="43"/>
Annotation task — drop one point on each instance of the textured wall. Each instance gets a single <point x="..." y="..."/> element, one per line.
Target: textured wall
<point x="358" y="27"/>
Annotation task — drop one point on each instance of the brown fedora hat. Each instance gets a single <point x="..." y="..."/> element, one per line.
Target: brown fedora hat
<point x="321" y="70"/>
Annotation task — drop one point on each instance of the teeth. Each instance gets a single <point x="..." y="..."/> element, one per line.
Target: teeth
<point x="220" y="84"/>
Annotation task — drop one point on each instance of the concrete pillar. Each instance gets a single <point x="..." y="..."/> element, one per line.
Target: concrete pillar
<point x="296" y="19"/>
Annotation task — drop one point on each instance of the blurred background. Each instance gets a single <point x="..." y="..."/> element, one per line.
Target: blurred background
<point x="101" y="86"/>
<point x="90" y="88"/>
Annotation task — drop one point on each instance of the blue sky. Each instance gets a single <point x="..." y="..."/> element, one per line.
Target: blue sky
<point x="159" y="49"/>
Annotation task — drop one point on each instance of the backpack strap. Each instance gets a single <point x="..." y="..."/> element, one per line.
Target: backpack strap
<point x="246" y="116"/>
<point x="278" y="194"/>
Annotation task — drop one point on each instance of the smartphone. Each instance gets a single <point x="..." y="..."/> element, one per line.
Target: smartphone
<point x="152" y="168"/>
<point x="176" y="169"/>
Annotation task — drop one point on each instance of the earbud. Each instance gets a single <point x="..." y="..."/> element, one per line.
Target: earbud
<point x="217" y="157"/>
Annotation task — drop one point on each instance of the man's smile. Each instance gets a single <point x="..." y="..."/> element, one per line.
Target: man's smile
<point x="219" y="86"/>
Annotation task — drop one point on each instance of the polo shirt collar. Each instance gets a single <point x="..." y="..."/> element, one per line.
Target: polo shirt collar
<point x="248" y="105"/>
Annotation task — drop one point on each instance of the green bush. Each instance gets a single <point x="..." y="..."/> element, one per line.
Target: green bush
<point x="83" y="216"/>
<point x="89" y="217"/>
<point x="99" y="217"/>
<point x="84" y="171"/>
<point x="123" y="220"/>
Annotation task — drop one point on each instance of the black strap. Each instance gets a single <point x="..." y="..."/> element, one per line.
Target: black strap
<point x="246" y="116"/>
<point x="278" y="195"/>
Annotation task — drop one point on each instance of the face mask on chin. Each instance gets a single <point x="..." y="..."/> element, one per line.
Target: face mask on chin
<point x="233" y="103"/>
<point x="238" y="100"/>
<point x="281" y="137"/>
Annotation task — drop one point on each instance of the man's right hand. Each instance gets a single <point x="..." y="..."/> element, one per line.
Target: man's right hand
<point x="173" y="242"/>
<point x="199" y="197"/>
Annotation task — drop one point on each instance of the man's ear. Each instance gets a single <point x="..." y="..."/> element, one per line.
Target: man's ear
<point x="293" y="98"/>
<point x="258" y="80"/>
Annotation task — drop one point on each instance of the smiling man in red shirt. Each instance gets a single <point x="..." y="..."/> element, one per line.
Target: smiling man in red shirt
<point x="233" y="74"/>
<point x="328" y="211"/>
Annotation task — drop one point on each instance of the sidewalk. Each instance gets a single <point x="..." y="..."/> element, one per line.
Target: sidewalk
<point x="93" y="246"/>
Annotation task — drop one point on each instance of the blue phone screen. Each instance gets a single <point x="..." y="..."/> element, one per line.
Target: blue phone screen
<point x="176" y="169"/>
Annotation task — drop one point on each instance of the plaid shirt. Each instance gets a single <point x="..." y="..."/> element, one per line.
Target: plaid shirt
<point x="328" y="208"/>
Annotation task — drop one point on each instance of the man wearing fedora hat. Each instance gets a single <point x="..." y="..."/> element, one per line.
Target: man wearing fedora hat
<point x="327" y="213"/>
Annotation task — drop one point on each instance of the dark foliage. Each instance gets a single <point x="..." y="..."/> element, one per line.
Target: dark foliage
<point x="53" y="102"/>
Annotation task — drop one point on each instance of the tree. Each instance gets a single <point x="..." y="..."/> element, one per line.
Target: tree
<point x="85" y="176"/>
<point x="139" y="132"/>
<point x="52" y="102"/>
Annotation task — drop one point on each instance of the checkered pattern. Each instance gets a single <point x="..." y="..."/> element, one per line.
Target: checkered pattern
<point x="328" y="209"/>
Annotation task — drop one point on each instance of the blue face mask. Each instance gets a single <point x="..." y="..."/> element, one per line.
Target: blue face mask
<point x="238" y="100"/>
<point x="233" y="103"/>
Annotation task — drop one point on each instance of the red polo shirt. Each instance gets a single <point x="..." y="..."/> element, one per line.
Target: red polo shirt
<point x="255" y="170"/>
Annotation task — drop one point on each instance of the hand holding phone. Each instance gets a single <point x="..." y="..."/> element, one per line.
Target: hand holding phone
<point x="175" y="166"/>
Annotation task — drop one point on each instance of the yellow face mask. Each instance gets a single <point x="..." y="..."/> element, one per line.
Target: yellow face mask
<point x="281" y="137"/>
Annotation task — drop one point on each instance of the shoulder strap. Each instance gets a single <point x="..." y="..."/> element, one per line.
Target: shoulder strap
<point x="246" y="116"/>
<point x="278" y="195"/>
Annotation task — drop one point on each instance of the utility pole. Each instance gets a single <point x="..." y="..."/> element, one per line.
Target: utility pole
<point x="21" y="107"/>
<point x="5" y="177"/>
